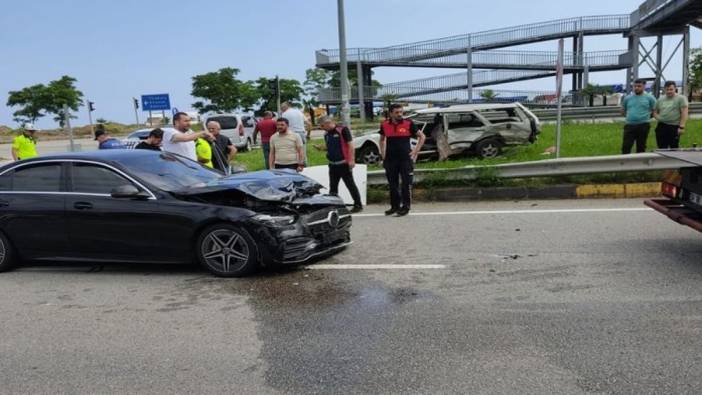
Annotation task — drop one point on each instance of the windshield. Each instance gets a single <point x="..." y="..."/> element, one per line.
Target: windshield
<point x="171" y="172"/>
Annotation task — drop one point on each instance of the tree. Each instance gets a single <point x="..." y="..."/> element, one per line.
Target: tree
<point x="488" y="95"/>
<point x="222" y="91"/>
<point x="38" y="100"/>
<point x="315" y="81"/>
<point x="695" y="78"/>
<point x="290" y="91"/>
<point x="32" y="101"/>
<point x="62" y="93"/>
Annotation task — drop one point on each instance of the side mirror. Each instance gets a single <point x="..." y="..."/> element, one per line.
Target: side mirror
<point x="126" y="192"/>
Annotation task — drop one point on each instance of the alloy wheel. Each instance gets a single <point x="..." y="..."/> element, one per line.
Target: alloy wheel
<point x="225" y="250"/>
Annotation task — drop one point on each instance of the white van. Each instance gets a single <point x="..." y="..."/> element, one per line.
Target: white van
<point x="238" y="127"/>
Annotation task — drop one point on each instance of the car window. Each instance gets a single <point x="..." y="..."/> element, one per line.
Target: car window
<point x="37" y="178"/>
<point x="89" y="178"/>
<point x="170" y="172"/>
<point x="225" y="122"/>
<point x="247" y="121"/>
<point x="502" y="115"/>
<point x="6" y="181"/>
<point x="458" y="121"/>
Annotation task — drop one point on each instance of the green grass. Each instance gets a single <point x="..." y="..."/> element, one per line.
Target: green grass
<point x="577" y="139"/>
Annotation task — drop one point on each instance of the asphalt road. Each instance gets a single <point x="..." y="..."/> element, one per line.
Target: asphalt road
<point x="510" y="297"/>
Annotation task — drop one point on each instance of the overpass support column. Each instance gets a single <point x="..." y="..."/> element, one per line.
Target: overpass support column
<point x="469" y="72"/>
<point x="360" y="82"/>
<point x="368" y="81"/>
<point x="659" y="66"/>
<point x="633" y="71"/>
<point x="574" y="85"/>
<point x="685" y="89"/>
<point x="581" y="58"/>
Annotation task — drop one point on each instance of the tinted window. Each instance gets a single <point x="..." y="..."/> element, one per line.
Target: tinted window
<point x="225" y="122"/>
<point x="6" y="181"/>
<point x="89" y="178"/>
<point x="39" y="178"/>
<point x="170" y="172"/>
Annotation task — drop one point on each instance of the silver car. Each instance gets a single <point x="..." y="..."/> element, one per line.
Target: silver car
<point x="238" y="127"/>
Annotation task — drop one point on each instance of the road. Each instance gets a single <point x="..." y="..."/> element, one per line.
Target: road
<point x="534" y="297"/>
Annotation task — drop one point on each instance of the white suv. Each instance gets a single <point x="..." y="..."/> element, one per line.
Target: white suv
<point x="238" y="127"/>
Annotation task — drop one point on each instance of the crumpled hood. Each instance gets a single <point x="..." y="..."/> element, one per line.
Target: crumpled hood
<point x="269" y="185"/>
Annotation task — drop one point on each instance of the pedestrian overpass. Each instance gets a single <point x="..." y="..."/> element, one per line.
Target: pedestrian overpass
<point x="486" y="61"/>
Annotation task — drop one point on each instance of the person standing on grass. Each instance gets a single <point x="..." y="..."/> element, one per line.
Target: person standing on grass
<point x="671" y="112"/>
<point x="286" y="148"/>
<point x="24" y="146"/>
<point x="267" y="127"/>
<point x="180" y="139"/>
<point x="638" y="109"/>
<point x="221" y="143"/>
<point x="153" y="141"/>
<point x="340" y="153"/>
<point x="298" y="123"/>
<point x="399" y="157"/>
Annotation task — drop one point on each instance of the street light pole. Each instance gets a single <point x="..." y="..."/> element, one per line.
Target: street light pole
<point x="345" y="107"/>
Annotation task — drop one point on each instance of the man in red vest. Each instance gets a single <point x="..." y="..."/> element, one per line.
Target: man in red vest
<point x="399" y="157"/>
<point x="340" y="153"/>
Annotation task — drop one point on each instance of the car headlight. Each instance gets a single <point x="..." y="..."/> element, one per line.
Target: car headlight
<point x="276" y="220"/>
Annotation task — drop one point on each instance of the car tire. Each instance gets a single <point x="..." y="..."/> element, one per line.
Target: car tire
<point x="7" y="254"/>
<point x="369" y="155"/>
<point x="227" y="251"/>
<point x="488" y="148"/>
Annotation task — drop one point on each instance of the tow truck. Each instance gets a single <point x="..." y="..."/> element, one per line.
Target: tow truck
<point x="682" y="190"/>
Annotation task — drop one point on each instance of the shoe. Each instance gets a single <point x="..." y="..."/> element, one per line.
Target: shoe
<point x="403" y="211"/>
<point x="356" y="209"/>
<point x="391" y="211"/>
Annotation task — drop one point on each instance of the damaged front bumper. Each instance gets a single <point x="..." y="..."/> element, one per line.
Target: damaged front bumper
<point x="322" y="232"/>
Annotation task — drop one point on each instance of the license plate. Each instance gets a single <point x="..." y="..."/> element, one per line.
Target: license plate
<point x="695" y="198"/>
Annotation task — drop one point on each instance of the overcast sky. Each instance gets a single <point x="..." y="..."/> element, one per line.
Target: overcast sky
<point x="121" y="49"/>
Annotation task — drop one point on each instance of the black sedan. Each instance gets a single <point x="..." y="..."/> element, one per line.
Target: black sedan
<point x="155" y="207"/>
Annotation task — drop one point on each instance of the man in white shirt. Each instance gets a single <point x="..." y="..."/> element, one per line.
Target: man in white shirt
<point x="180" y="139"/>
<point x="297" y="122"/>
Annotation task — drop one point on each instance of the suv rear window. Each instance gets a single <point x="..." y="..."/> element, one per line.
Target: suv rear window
<point x="501" y="115"/>
<point x="226" y="122"/>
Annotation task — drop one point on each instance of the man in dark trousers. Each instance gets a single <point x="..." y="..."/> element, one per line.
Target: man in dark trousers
<point x="399" y="157"/>
<point x="341" y="156"/>
<point x="637" y="108"/>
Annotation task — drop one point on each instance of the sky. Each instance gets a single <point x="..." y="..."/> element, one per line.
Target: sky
<point x="123" y="49"/>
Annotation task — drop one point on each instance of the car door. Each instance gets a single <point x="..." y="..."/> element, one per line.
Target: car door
<point x="102" y="227"/>
<point x="32" y="209"/>
<point x="463" y="129"/>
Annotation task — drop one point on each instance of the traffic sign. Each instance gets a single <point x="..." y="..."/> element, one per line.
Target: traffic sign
<point x="158" y="102"/>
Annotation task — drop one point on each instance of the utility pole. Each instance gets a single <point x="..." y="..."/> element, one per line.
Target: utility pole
<point x="277" y="94"/>
<point x="559" y="90"/>
<point x="136" y="110"/>
<point x="345" y="107"/>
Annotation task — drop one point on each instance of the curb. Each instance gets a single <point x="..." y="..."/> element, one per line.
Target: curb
<point x="562" y="191"/>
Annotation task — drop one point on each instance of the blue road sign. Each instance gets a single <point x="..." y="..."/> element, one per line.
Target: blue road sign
<point x="155" y="102"/>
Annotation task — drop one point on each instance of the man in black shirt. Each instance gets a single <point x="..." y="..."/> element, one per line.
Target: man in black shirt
<point x="340" y="153"/>
<point x="221" y="143"/>
<point x="399" y="157"/>
<point x="153" y="141"/>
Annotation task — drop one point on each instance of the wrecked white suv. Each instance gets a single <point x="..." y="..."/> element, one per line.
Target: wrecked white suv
<point x="478" y="129"/>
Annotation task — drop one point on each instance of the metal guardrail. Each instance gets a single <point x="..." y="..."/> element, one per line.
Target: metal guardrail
<point x="491" y="39"/>
<point x="610" y="111"/>
<point x="547" y="168"/>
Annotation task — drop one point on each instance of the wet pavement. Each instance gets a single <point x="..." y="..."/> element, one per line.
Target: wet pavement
<point x="519" y="297"/>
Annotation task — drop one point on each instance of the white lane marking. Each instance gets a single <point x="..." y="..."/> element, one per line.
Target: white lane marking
<point x="488" y="212"/>
<point x="372" y="267"/>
